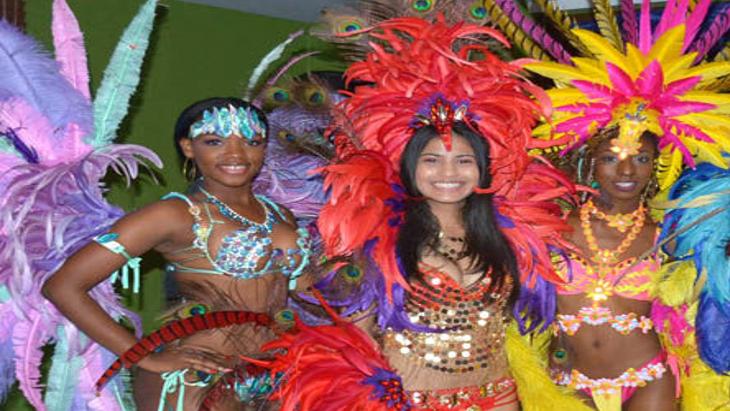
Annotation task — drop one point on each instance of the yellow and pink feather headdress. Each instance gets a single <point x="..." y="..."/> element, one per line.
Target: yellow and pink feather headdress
<point x="646" y="80"/>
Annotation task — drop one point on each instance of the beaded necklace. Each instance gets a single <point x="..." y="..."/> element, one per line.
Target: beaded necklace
<point x="605" y="258"/>
<point x="621" y="222"/>
<point x="242" y="251"/>
<point x="231" y="214"/>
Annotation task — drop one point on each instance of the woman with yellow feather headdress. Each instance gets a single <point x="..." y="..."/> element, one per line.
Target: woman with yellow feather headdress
<point x="636" y="107"/>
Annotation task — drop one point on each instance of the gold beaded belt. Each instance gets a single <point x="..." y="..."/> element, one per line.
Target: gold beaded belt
<point x="474" y="398"/>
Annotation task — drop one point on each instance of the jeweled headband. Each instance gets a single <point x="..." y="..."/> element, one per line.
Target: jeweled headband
<point x="227" y="121"/>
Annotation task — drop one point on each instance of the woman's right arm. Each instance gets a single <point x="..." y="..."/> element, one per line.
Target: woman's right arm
<point x="150" y="227"/>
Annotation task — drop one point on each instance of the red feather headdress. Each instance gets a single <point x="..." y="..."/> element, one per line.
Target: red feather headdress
<point x="422" y="73"/>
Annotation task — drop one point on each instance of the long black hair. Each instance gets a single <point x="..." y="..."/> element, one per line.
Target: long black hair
<point x="485" y="245"/>
<point x="194" y="112"/>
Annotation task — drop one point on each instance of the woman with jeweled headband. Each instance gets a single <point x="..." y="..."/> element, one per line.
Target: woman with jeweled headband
<point x="232" y="254"/>
<point x="438" y="219"/>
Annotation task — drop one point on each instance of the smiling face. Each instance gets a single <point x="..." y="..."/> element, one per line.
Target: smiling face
<point x="624" y="180"/>
<point x="444" y="176"/>
<point x="233" y="161"/>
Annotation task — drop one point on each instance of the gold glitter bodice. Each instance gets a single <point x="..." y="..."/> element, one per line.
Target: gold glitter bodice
<point x="468" y="323"/>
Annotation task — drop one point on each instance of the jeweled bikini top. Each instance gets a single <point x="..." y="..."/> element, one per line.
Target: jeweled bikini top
<point x="245" y="252"/>
<point x="628" y="279"/>
<point x="469" y="323"/>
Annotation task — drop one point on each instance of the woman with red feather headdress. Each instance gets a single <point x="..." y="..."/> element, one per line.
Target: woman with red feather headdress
<point x="438" y="223"/>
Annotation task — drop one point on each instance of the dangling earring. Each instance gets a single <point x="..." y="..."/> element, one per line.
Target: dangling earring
<point x="189" y="170"/>
<point x="591" y="182"/>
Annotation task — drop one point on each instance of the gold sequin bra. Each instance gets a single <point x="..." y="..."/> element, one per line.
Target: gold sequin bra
<point x="472" y="320"/>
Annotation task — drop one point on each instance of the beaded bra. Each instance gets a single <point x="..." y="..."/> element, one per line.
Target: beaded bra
<point x="246" y="252"/>
<point x="469" y="323"/>
<point x="629" y="278"/>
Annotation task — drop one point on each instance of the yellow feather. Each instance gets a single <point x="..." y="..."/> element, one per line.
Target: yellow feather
<point x="636" y="58"/>
<point x="720" y="85"/>
<point x="703" y="389"/>
<point x="606" y="20"/>
<point x="669" y="166"/>
<point x="604" y="50"/>
<point x="720" y="137"/>
<point x="676" y="69"/>
<point x="565" y="96"/>
<point x="669" y="46"/>
<point x="527" y="356"/>
<point x="594" y="69"/>
<point x="557" y="71"/>
<point x="722" y="101"/>
<point x="709" y="71"/>
<point x="706" y="120"/>
<point x="710" y="153"/>
<point x="675" y="283"/>
<point x="543" y="131"/>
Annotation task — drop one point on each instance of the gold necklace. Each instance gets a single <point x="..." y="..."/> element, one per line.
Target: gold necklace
<point x="621" y="222"/>
<point x="606" y="256"/>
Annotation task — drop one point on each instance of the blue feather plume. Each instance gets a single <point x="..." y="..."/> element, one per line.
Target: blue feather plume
<point x="63" y="376"/>
<point x="30" y="73"/>
<point x="696" y="195"/>
<point x="713" y="334"/>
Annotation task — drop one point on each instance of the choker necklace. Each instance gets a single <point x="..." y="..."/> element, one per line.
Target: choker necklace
<point x="231" y="214"/>
<point x="621" y="222"/>
<point x="605" y="256"/>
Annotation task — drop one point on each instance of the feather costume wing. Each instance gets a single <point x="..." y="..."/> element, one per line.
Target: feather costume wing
<point x="363" y="206"/>
<point x="531" y="219"/>
<point x="704" y="242"/>
<point x="51" y="204"/>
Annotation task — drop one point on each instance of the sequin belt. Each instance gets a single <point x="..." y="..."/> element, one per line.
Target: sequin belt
<point x="476" y="398"/>
<point x="621" y="323"/>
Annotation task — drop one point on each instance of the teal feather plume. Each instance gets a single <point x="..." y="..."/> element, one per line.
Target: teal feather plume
<point x="63" y="376"/>
<point x="121" y="76"/>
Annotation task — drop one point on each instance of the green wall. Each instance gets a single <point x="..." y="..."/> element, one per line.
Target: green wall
<point x="196" y="52"/>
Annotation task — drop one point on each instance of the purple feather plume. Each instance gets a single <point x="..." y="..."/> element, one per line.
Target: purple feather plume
<point x="286" y="176"/>
<point x="28" y="153"/>
<point x="630" y="25"/>
<point x="537" y="33"/>
<point x="28" y="72"/>
<point x="47" y="214"/>
<point x="7" y="363"/>
<point x="714" y="33"/>
<point x="535" y="307"/>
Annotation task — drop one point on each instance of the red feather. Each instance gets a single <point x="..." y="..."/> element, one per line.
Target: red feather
<point x="324" y="369"/>
<point x="358" y="211"/>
